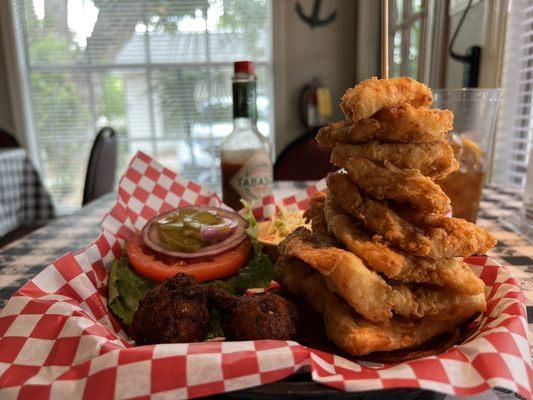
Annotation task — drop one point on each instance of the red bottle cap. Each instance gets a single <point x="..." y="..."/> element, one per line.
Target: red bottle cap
<point x="243" y="67"/>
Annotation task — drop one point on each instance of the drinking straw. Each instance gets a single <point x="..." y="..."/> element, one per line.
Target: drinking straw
<point x="384" y="39"/>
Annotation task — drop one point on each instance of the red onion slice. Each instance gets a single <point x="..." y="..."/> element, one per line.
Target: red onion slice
<point x="236" y="234"/>
<point x="217" y="233"/>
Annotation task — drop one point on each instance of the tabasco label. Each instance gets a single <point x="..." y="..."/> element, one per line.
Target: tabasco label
<point x="254" y="180"/>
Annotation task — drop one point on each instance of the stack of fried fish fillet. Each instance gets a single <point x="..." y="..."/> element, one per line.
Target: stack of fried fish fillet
<point x="383" y="263"/>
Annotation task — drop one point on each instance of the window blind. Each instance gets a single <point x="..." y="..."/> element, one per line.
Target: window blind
<point x="515" y="118"/>
<point x="158" y="71"/>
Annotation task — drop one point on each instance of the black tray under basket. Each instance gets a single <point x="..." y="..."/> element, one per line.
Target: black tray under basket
<point x="300" y="387"/>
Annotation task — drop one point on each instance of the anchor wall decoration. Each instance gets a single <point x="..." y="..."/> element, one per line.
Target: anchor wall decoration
<point x="314" y="19"/>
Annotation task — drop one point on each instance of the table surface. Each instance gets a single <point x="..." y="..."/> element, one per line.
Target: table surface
<point x="23" y="259"/>
<point x="24" y="201"/>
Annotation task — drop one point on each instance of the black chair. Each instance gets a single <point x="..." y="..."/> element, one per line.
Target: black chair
<point x="303" y="160"/>
<point x="7" y="140"/>
<point x="101" y="169"/>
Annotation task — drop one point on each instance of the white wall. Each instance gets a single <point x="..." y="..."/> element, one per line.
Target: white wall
<point x="367" y="39"/>
<point x="302" y="53"/>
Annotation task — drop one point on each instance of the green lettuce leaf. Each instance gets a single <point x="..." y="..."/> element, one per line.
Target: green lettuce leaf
<point x="126" y="288"/>
<point x="257" y="274"/>
<point x="253" y="229"/>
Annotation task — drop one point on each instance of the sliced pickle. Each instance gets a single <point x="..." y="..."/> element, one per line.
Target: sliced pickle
<point x="178" y="241"/>
<point x="182" y="231"/>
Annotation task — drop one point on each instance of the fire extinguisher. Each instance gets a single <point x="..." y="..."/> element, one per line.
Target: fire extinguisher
<point x="315" y="106"/>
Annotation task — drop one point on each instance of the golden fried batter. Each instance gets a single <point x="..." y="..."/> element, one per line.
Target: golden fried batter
<point x="425" y="301"/>
<point x="445" y="272"/>
<point x="348" y="195"/>
<point x="428" y="235"/>
<point x="404" y="186"/>
<point x="380" y="264"/>
<point x="394" y="264"/>
<point x="450" y="237"/>
<point x="376" y="216"/>
<point x="341" y="132"/>
<point x="407" y="124"/>
<point x="419" y="125"/>
<point x="375" y="254"/>
<point x="370" y="96"/>
<point x="433" y="159"/>
<point x="344" y="132"/>
<point x="347" y="329"/>
<point x="363" y="289"/>
<point x="315" y="213"/>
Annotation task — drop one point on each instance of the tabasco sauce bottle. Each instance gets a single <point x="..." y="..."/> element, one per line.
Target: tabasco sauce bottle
<point x="245" y="154"/>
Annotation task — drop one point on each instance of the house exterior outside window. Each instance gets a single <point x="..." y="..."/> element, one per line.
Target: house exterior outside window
<point x="159" y="72"/>
<point x="407" y="37"/>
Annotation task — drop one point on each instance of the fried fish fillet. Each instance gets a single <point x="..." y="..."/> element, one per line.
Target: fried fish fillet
<point x="428" y="302"/>
<point x="433" y="159"/>
<point x="374" y="253"/>
<point x="401" y="124"/>
<point x="376" y="216"/>
<point x="346" y="328"/>
<point x="292" y="273"/>
<point x="394" y="264"/>
<point x="445" y="272"/>
<point x="450" y="237"/>
<point x="436" y="237"/>
<point x="388" y="182"/>
<point x="315" y="213"/>
<point x="408" y="124"/>
<point x="362" y="288"/>
<point x="371" y="95"/>
<point x="340" y="132"/>
<point x="367" y="292"/>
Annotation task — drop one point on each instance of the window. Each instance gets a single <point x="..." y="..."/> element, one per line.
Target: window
<point x="158" y="71"/>
<point x="407" y="35"/>
<point x="515" y="120"/>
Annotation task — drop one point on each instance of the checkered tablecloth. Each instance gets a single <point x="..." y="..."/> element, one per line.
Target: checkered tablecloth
<point x="497" y="208"/>
<point x="23" y="198"/>
<point x="23" y="259"/>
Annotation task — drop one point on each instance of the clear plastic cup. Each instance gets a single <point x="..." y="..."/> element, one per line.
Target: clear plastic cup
<point x="472" y="138"/>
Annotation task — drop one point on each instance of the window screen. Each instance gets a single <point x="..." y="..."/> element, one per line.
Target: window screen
<point x="406" y="37"/>
<point x="158" y="71"/>
<point x="515" y="120"/>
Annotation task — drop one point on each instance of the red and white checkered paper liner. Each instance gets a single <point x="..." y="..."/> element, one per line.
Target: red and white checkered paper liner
<point x="58" y="340"/>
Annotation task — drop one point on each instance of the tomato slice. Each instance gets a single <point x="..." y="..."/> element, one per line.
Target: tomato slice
<point x="217" y="267"/>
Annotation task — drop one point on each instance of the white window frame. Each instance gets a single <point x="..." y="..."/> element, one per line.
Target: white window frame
<point x="432" y="41"/>
<point x="404" y="27"/>
<point x="19" y="67"/>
